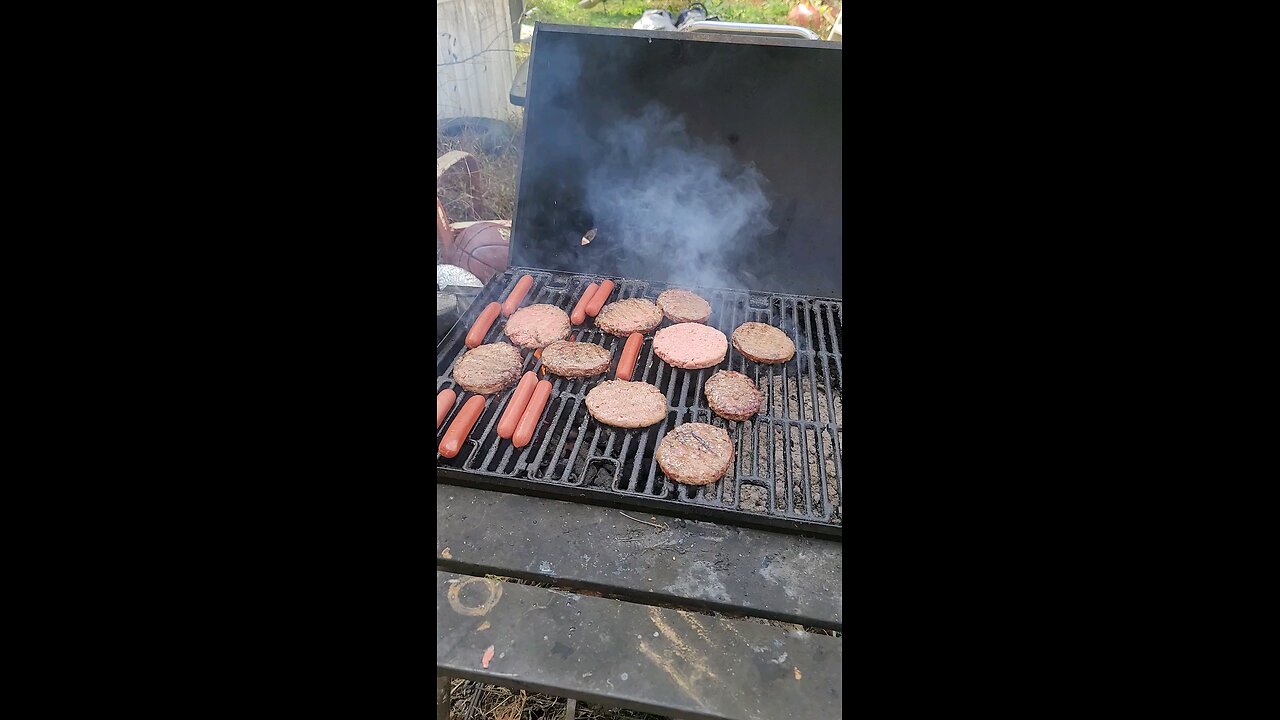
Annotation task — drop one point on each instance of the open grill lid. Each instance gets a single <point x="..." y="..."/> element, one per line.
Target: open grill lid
<point x="707" y="160"/>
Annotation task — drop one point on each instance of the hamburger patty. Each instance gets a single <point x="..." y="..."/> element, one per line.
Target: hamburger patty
<point x="488" y="369"/>
<point x="695" y="454"/>
<point x="575" y="359"/>
<point x="627" y="404"/>
<point x="690" y="345"/>
<point x="763" y="343"/>
<point x="733" y="396"/>
<point x="681" y="306"/>
<point x="537" y="326"/>
<point x="629" y="316"/>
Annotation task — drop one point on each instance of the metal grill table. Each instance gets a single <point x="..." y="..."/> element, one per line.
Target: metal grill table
<point x="787" y="469"/>
<point x="634" y="618"/>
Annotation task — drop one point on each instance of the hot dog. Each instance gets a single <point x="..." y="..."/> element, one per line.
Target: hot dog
<point x="579" y="314"/>
<point x="598" y="300"/>
<point x="444" y="403"/>
<point x="630" y="351"/>
<point x="512" y="303"/>
<point x="516" y="405"/>
<point x="532" y="414"/>
<point x="461" y="426"/>
<point x="481" y="328"/>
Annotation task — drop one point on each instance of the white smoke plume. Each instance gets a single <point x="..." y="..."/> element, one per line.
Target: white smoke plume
<point x="684" y="207"/>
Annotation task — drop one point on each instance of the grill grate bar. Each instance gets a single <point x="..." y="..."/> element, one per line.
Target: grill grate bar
<point x="771" y="482"/>
<point x="803" y="436"/>
<point x="822" y="460"/>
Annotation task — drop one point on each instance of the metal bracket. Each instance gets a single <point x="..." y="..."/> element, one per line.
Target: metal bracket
<point x="737" y="28"/>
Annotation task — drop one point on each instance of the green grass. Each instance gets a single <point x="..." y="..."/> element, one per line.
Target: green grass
<point x="625" y="13"/>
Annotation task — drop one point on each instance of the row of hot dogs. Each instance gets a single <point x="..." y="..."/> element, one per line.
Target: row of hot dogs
<point x="593" y="298"/>
<point x="521" y="416"/>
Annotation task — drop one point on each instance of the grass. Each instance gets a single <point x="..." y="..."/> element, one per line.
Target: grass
<point x="625" y="13"/>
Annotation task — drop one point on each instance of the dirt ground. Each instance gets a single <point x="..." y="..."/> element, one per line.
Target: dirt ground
<point x="477" y="701"/>
<point x="496" y="192"/>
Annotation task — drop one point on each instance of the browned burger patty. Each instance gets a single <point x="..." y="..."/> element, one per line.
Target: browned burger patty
<point x="537" y="326"/>
<point x="627" y="404"/>
<point x="629" y="316"/>
<point x="690" y="345"/>
<point x="575" y="359"/>
<point x="732" y="395"/>
<point x="763" y="343"/>
<point x="488" y="369"/>
<point x="695" y="454"/>
<point x="682" y="306"/>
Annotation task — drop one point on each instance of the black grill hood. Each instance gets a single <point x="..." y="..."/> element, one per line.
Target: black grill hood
<point x="772" y="105"/>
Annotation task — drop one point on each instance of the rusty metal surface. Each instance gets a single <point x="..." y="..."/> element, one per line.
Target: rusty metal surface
<point x="671" y="662"/>
<point x="687" y="563"/>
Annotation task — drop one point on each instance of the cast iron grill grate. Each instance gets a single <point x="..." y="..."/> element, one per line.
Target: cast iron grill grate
<point x="787" y="467"/>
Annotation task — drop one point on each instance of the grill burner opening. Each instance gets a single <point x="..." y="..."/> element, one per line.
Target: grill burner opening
<point x="787" y="467"/>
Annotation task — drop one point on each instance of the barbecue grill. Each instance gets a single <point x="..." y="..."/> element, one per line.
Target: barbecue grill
<point x="674" y="610"/>
<point x="787" y="470"/>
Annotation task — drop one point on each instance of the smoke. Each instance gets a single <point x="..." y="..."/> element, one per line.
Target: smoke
<point x="683" y="207"/>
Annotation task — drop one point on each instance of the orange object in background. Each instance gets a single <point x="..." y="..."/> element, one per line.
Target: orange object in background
<point x="805" y="15"/>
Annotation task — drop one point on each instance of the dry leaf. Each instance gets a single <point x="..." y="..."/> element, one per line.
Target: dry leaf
<point x="483" y="626"/>
<point x="445" y="554"/>
<point x="797" y="673"/>
<point x="488" y="655"/>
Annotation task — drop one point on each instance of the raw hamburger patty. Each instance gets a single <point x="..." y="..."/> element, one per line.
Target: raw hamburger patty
<point x="575" y="359"/>
<point x="537" y="326"/>
<point x="695" y="454"/>
<point x="690" y="345"/>
<point x="732" y="395"/>
<point x="629" y="316"/>
<point x="627" y="404"/>
<point x="488" y="369"/>
<point x="763" y="343"/>
<point x="681" y="306"/>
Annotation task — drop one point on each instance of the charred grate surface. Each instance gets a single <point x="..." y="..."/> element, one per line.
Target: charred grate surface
<point x="787" y="466"/>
